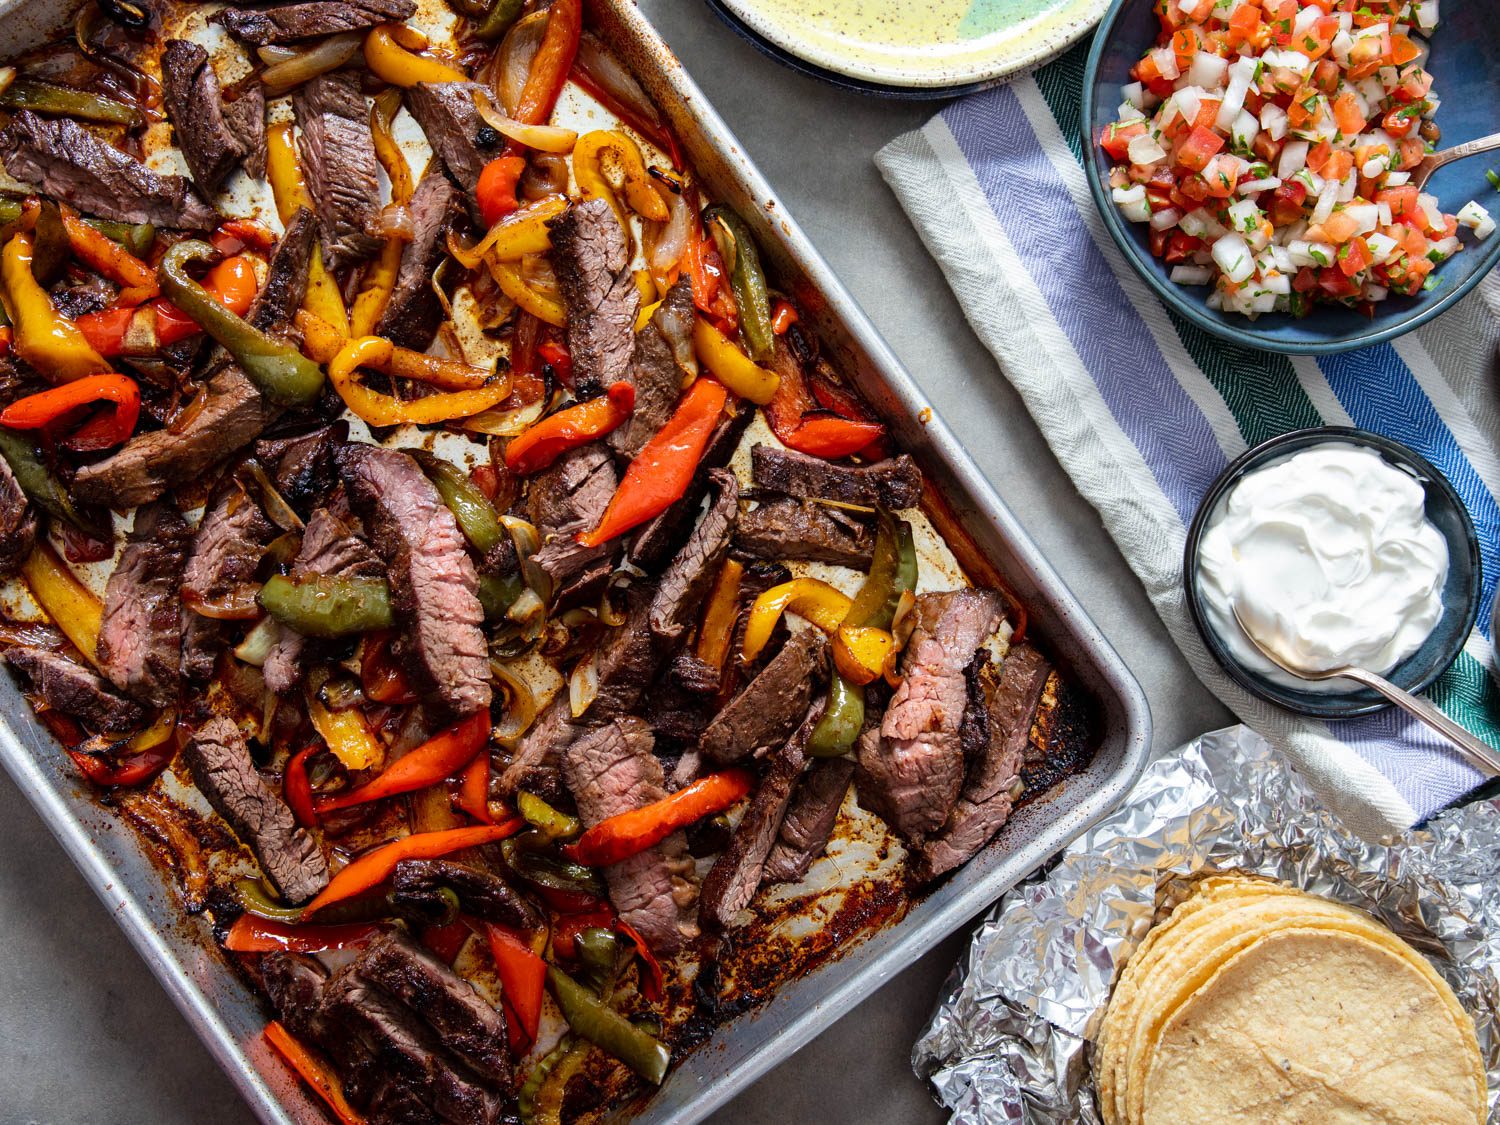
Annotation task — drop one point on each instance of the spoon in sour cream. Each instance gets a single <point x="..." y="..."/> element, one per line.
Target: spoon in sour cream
<point x="1479" y="754"/>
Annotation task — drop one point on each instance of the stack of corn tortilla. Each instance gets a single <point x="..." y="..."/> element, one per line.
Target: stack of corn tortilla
<point x="1253" y="1002"/>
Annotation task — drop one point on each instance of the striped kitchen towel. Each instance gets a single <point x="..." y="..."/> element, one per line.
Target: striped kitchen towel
<point x="1144" y="410"/>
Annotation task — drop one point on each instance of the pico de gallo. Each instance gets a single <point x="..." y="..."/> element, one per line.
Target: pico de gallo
<point x="1270" y="146"/>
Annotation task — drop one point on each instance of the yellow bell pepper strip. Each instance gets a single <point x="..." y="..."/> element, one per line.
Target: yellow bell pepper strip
<point x="716" y="632"/>
<point x="380" y="409"/>
<point x="107" y="257"/>
<point x="860" y="652"/>
<point x="283" y="374"/>
<point x="315" y="1072"/>
<point x="323" y="299"/>
<point x="514" y="286"/>
<point x="323" y="342"/>
<point x="748" y="279"/>
<point x="550" y="66"/>
<point x="40" y="410"/>
<point x="523" y="231"/>
<point x="348" y="736"/>
<point x="393" y="63"/>
<point x="554" y="435"/>
<point x="380" y="280"/>
<point x="375" y="867"/>
<point x="431" y="763"/>
<point x="664" y="468"/>
<point x="70" y="604"/>
<point x="810" y="598"/>
<point x="731" y="366"/>
<point x="640" y="190"/>
<point x="42" y="337"/>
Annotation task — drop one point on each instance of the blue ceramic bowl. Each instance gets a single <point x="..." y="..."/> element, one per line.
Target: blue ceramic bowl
<point x="1465" y="65"/>
<point x="1460" y="593"/>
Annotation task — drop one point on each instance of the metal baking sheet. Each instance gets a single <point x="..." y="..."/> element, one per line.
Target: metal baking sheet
<point x="229" y="1016"/>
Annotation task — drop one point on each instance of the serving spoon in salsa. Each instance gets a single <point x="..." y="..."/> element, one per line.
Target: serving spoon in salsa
<point x="1478" y="753"/>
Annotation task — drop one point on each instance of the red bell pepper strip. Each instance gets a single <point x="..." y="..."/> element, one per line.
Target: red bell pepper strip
<point x="380" y="676"/>
<point x="375" y="867"/>
<point x="554" y="435"/>
<point x="147" y="329"/>
<point x="297" y="790"/>
<point x="795" y="417"/>
<point x="523" y="976"/>
<point x="567" y="902"/>
<point x="831" y="437"/>
<point x="7" y="334"/>
<point x="135" y="770"/>
<point x="556" y="353"/>
<point x="783" y="317"/>
<point x="630" y="833"/>
<point x="496" y="190"/>
<point x="474" y="790"/>
<point x="236" y="234"/>
<point x="568" y="926"/>
<point x="527" y="384"/>
<point x="315" y="1072"/>
<point x="446" y="941"/>
<point x="664" y="468"/>
<point x="653" y="980"/>
<point x="439" y="757"/>
<point x="107" y="257"/>
<point x="550" y="66"/>
<point x="252" y="934"/>
<point x="112" y="427"/>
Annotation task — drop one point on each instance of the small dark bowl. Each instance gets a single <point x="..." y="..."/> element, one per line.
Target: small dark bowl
<point x="1460" y="593"/>
<point x="1465" y="66"/>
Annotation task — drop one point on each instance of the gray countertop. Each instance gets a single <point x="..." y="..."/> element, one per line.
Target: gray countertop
<point x="86" y="1034"/>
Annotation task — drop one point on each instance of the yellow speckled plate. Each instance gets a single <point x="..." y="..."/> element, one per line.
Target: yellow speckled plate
<point x="920" y="44"/>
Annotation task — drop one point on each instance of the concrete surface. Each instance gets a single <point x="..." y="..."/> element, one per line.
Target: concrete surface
<point x="86" y="1035"/>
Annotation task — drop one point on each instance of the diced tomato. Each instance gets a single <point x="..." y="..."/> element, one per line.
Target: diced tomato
<point x="1116" y="138"/>
<point x="1285" y="206"/>
<point x="1157" y="240"/>
<point x="1180" y="247"/>
<point x="1264" y="148"/>
<point x="1403" y="50"/>
<point x="1400" y="122"/>
<point x="1347" y="116"/>
<point x="1195" y="152"/>
<point x="1338" y="165"/>
<point x="1325" y="77"/>
<point x="1315" y="41"/>
<point x="1244" y="24"/>
<point x="1413" y="149"/>
<point x="1401" y="200"/>
<point x="1340" y="227"/>
<point x="1208" y="113"/>
<point x="1354" y="256"/>
<point x="1194" y="188"/>
<point x="1336" y="284"/>
<point x="1367" y="56"/>
<point x="1220" y="178"/>
<point x="1185" y="44"/>
<point x="1306" y="280"/>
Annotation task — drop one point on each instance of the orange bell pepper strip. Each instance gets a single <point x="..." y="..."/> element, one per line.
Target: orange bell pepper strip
<point x="40" y="410"/>
<point x="375" y="867"/>
<point x="554" y="435"/>
<point x="550" y="66"/>
<point x="296" y="789"/>
<point x="831" y="437"/>
<point x="315" y="1072"/>
<point x="107" y="257"/>
<point x="783" y="316"/>
<point x="496" y="190"/>
<point x="147" y="329"/>
<point x="664" y="468"/>
<point x="523" y="976"/>
<point x="252" y="934"/>
<point x="439" y="757"/>
<point x="717" y="630"/>
<point x="653" y="980"/>
<point x="630" y="833"/>
<point x="474" y="790"/>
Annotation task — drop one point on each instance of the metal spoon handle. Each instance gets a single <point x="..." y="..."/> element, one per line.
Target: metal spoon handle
<point x="1457" y="152"/>
<point x="1479" y="754"/>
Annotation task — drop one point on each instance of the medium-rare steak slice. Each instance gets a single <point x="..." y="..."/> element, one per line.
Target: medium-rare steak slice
<point x="446" y="113"/>
<point x="767" y="711"/>
<point x="993" y="775"/>
<point x="416" y="885"/>
<point x="686" y="582"/>
<point x="226" y="552"/>
<point x="140" y="634"/>
<point x="809" y="821"/>
<point x="894" y="483"/>
<point x="73" y="166"/>
<point x="736" y="875"/>
<point x="913" y="773"/>
<point x="69" y="687"/>
<point x="611" y="770"/>
<point x="338" y="160"/>
<point x="629" y="657"/>
<point x="566" y="499"/>
<point x="245" y="114"/>
<point x="17" y="521"/>
<point x="224" y="772"/>
<point x="434" y="587"/>
<point x="233" y="415"/>
<point x="412" y="316"/>
<point x="286" y="278"/>
<point x="195" y="105"/>
<point x="282" y="23"/>
<point x="463" y="1022"/>
<point x="294" y="983"/>
<point x="405" y="1051"/>
<point x="591" y="257"/>
<point x="784" y="527"/>
<point x="656" y="373"/>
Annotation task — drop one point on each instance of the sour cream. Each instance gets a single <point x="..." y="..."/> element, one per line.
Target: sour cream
<point x="1332" y="561"/>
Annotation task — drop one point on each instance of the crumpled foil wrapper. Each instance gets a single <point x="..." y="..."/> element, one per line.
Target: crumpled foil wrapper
<point x="1010" y="1041"/>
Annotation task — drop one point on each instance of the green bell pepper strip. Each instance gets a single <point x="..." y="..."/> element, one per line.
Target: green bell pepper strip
<point x="500" y="17"/>
<point x="550" y="871"/>
<point x="604" y="1027"/>
<point x="498" y="592"/>
<point x="41" y="486"/>
<point x="748" y="279"/>
<point x="135" y="237"/>
<point x="44" y="97"/>
<point x="526" y="1098"/>
<point x="329" y="606"/>
<point x="598" y="951"/>
<point x="472" y="509"/>
<point x="550" y="822"/>
<point x="284" y="374"/>
<point x="893" y="571"/>
<point x="253" y="899"/>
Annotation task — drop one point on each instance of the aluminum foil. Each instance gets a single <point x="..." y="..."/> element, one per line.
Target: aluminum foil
<point x="1010" y="1040"/>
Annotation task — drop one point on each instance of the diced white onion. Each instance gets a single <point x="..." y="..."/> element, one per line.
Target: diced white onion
<point x="1132" y="203"/>
<point x="1165" y="219"/>
<point x="1367" y="215"/>
<point x="1144" y="149"/>
<point x="1253" y="187"/>
<point x="1191" y="275"/>
<point x="1233" y="257"/>
<point x="1242" y="132"/>
<point x="1293" y="159"/>
<point x="1207" y="70"/>
<point x="1135" y="94"/>
<point x="1273" y="120"/>
<point x="1382" y="246"/>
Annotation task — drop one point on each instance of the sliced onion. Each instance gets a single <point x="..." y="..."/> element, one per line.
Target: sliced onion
<point x="259" y="642"/>
<point x="528" y="541"/>
<point x="513" y="60"/>
<point x="396" y="222"/>
<point x="610" y="75"/>
<point x="505" y="423"/>
<point x="608" y="614"/>
<point x="237" y="605"/>
<point x="7" y="76"/>
<point x="520" y="704"/>
<point x="470" y="256"/>
<point x="546" y="174"/>
<point x="902" y="623"/>
<point x="281" y="512"/>
<point x="330" y="54"/>
<point x="583" y="684"/>
<point x="666" y="243"/>
<point x="273" y="53"/>
<point x="544" y="138"/>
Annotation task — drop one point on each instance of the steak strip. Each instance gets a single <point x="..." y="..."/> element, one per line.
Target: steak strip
<point x="784" y="527"/>
<point x="195" y="105"/>
<point x="768" y="710"/>
<point x="18" y="524"/>
<point x="893" y="483"/>
<point x="283" y="23"/>
<point x="448" y="117"/>
<point x="810" y="820"/>
<point x="686" y="582"/>
<point x="591" y="257"/>
<point x="140" y="633"/>
<point x="416" y="886"/>
<point x="69" y="687"/>
<point x="412" y="316"/>
<point x="338" y="160"/>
